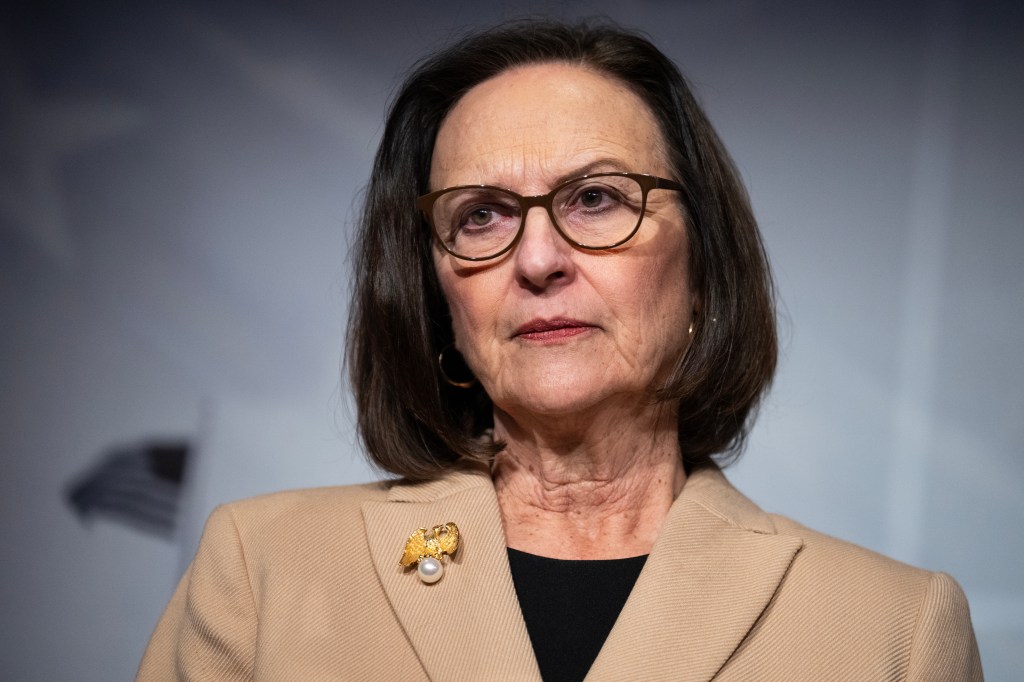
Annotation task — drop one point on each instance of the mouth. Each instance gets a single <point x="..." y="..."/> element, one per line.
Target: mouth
<point x="550" y="330"/>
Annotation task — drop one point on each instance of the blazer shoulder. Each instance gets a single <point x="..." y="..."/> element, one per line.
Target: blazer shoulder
<point x="258" y="561"/>
<point x="289" y="518"/>
<point x="292" y="501"/>
<point x="929" y="608"/>
<point x="852" y="562"/>
<point x="890" y="615"/>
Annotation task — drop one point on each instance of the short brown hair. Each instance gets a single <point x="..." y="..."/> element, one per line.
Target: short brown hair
<point x="416" y="425"/>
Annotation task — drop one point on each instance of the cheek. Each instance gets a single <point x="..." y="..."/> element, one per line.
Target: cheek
<point x="660" y="300"/>
<point x="655" y="301"/>
<point x="474" y="309"/>
<point x="465" y="321"/>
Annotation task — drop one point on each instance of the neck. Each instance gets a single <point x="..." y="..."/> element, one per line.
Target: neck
<point x="572" y="491"/>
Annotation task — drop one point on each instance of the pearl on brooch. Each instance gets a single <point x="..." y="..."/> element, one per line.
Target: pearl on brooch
<point x="430" y="570"/>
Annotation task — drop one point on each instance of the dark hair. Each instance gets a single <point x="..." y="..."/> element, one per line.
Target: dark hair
<point x="415" y="424"/>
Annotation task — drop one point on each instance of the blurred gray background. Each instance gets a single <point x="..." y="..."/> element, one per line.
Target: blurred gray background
<point x="178" y="184"/>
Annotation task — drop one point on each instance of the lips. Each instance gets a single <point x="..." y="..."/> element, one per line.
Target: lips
<point x="549" y="330"/>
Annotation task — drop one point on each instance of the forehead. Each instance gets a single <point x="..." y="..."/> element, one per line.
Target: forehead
<point x="531" y="126"/>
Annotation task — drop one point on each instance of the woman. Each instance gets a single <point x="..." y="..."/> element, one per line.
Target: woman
<point x="550" y="204"/>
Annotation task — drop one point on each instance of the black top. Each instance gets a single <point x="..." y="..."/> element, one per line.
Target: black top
<point x="570" y="607"/>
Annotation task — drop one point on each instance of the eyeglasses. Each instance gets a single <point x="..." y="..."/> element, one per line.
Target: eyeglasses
<point x="595" y="212"/>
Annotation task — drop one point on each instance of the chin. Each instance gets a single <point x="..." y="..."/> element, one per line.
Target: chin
<point x="558" y="394"/>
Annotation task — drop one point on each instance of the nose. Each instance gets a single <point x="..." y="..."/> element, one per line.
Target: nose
<point x="542" y="257"/>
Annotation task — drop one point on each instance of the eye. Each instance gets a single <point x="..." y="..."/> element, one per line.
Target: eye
<point x="592" y="197"/>
<point x="481" y="216"/>
<point x="473" y="210"/>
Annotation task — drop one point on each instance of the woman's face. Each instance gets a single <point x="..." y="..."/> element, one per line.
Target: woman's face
<point x="550" y="329"/>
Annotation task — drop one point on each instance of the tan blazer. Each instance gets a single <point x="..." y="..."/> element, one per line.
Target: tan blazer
<point x="306" y="586"/>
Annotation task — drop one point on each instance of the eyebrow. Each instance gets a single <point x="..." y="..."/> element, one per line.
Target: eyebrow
<point x="606" y="164"/>
<point x="602" y="165"/>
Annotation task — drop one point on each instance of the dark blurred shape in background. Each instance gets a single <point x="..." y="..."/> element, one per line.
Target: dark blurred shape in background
<point x="138" y="485"/>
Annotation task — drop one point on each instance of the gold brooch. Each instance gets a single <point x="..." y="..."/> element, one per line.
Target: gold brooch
<point x="426" y="547"/>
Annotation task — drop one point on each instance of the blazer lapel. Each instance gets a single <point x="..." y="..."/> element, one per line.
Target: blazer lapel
<point x="712" y="572"/>
<point x="466" y="626"/>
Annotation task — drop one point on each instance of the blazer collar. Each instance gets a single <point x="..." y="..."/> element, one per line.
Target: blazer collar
<point x="466" y="626"/>
<point x="715" y="567"/>
<point x="713" y="570"/>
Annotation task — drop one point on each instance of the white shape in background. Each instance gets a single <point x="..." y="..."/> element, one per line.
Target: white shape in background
<point x="928" y="228"/>
<point x="37" y="138"/>
<point x="294" y="83"/>
<point x="257" y="445"/>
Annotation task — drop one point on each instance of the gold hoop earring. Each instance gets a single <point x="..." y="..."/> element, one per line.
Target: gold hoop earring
<point x="461" y="361"/>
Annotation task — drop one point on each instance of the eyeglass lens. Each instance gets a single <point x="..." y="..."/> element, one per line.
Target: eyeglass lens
<point x="594" y="212"/>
